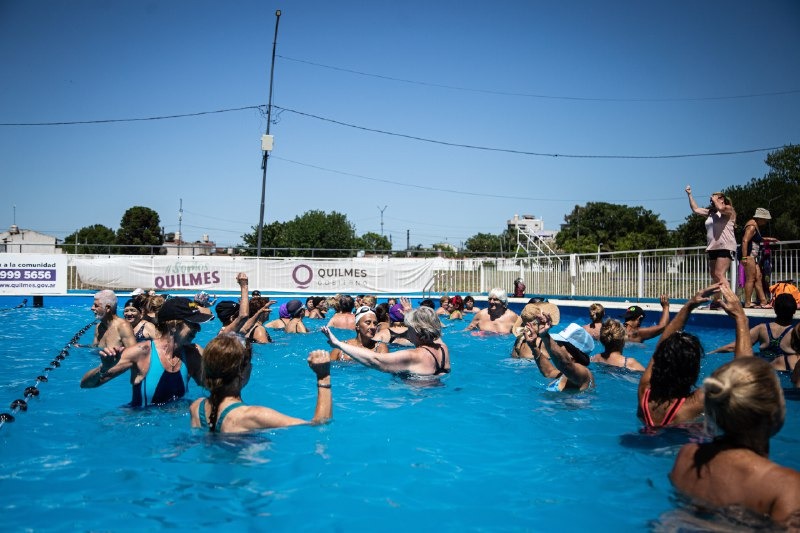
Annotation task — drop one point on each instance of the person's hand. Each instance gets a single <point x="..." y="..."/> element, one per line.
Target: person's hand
<point x="109" y="357"/>
<point x="530" y="331"/>
<point x="406" y="303"/>
<point x="705" y="295"/>
<point x="689" y="190"/>
<point x="241" y="279"/>
<point x="332" y="340"/>
<point x="730" y="302"/>
<point x="664" y="301"/>
<point x="320" y="362"/>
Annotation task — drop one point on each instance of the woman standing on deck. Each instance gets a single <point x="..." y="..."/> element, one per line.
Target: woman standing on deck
<point x="720" y="220"/>
<point x="751" y="258"/>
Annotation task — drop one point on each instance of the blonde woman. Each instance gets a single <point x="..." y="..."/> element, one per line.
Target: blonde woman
<point x="744" y="400"/>
<point x="596" y="313"/>
<point x="612" y="337"/>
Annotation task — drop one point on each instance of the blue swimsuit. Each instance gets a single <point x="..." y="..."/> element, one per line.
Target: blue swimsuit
<point x="201" y="412"/>
<point x="159" y="386"/>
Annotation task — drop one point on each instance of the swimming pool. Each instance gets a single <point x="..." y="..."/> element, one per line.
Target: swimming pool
<point x="488" y="450"/>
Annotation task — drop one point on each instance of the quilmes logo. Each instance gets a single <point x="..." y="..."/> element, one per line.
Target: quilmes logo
<point x="302" y="276"/>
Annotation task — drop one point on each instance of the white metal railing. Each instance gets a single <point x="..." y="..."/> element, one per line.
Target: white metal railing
<point x="633" y="275"/>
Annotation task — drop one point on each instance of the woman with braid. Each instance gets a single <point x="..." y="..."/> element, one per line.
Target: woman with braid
<point x="226" y="371"/>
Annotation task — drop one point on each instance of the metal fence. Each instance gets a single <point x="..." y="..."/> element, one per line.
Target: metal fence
<point x="631" y="275"/>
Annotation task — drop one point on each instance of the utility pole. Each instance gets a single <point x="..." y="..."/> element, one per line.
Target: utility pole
<point x="266" y="140"/>
<point x="382" y="210"/>
<point x="180" y="220"/>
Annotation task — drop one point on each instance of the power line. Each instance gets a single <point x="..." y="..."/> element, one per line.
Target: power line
<point x="401" y="135"/>
<point x="545" y="96"/>
<point x="135" y="119"/>
<point x="524" y="152"/>
<point x="454" y="191"/>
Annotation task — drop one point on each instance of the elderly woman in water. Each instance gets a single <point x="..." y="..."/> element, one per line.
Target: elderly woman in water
<point x="429" y="356"/>
<point x="366" y="326"/>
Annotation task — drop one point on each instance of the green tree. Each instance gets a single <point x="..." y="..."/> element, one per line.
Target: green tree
<point x="487" y="243"/>
<point x="272" y="236"/>
<point x="613" y="227"/>
<point x="90" y="240"/>
<point x="140" y="229"/>
<point x="483" y="243"/>
<point x="371" y="241"/>
<point x="331" y="235"/>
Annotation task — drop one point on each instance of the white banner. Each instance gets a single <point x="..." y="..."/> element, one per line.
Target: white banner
<point x="33" y="274"/>
<point x="357" y="275"/>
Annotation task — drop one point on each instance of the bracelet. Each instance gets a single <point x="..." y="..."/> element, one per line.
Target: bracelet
<point x="324" y="385"/>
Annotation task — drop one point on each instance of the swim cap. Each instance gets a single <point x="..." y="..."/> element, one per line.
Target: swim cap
<point x="294" y="308"/>
<point x="362" y="311"/>
<point x="396" y="313"/>
<point x="283" y="312"/>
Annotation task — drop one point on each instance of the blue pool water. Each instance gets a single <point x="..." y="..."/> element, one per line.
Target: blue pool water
<point x="489" y="450"/>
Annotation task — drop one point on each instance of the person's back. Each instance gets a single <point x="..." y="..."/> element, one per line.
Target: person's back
<point x="344" y="318"/>
<point x="745" y="401"/>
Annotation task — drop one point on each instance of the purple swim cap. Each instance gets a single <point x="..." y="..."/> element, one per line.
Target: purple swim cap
<point x="283" y="312"/>
<point x="396" y="313"/>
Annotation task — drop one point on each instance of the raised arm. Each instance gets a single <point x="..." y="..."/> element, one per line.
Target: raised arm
<point x="677" y="324"/>
<point x="539" y="350"/>
<point x="263" y="417"/>
<point x="653" y="331"/>
<point x="695" y="208"/>
<point x="743" y="347"/>
<point x="244" y="306"/>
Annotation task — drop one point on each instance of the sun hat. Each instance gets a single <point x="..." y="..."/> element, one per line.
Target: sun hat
<point x="531" y="311"/>
<point x="578" y="337"/>
<point x="182" y="309"/>
<point x="763" y="214"/>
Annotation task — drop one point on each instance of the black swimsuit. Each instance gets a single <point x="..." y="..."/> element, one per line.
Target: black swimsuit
<point x="440" y="369"/>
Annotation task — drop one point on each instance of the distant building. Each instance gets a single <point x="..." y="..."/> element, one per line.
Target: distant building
<point x="27" y="241"/>
<point x="531" y="235"/>
<point x="174" y="245"/>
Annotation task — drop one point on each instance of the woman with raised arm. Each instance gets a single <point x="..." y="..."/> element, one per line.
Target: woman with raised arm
<point x="720" y="220"/>
<point x="666" y="395"/>
<point x="429" y="357"/>
<point x="226" y="371"/>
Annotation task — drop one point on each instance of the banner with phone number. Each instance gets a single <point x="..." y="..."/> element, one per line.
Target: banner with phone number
<point x="33" y="274"/>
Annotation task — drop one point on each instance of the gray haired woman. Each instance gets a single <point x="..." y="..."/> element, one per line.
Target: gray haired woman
<point x="429" y="356"/>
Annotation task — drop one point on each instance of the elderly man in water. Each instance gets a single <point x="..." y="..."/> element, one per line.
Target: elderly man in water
<point x="112" y="331"/>
<point x="497" y="318"/>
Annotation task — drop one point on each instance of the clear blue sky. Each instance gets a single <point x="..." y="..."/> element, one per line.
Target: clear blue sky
<point x="626" y="78"/>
